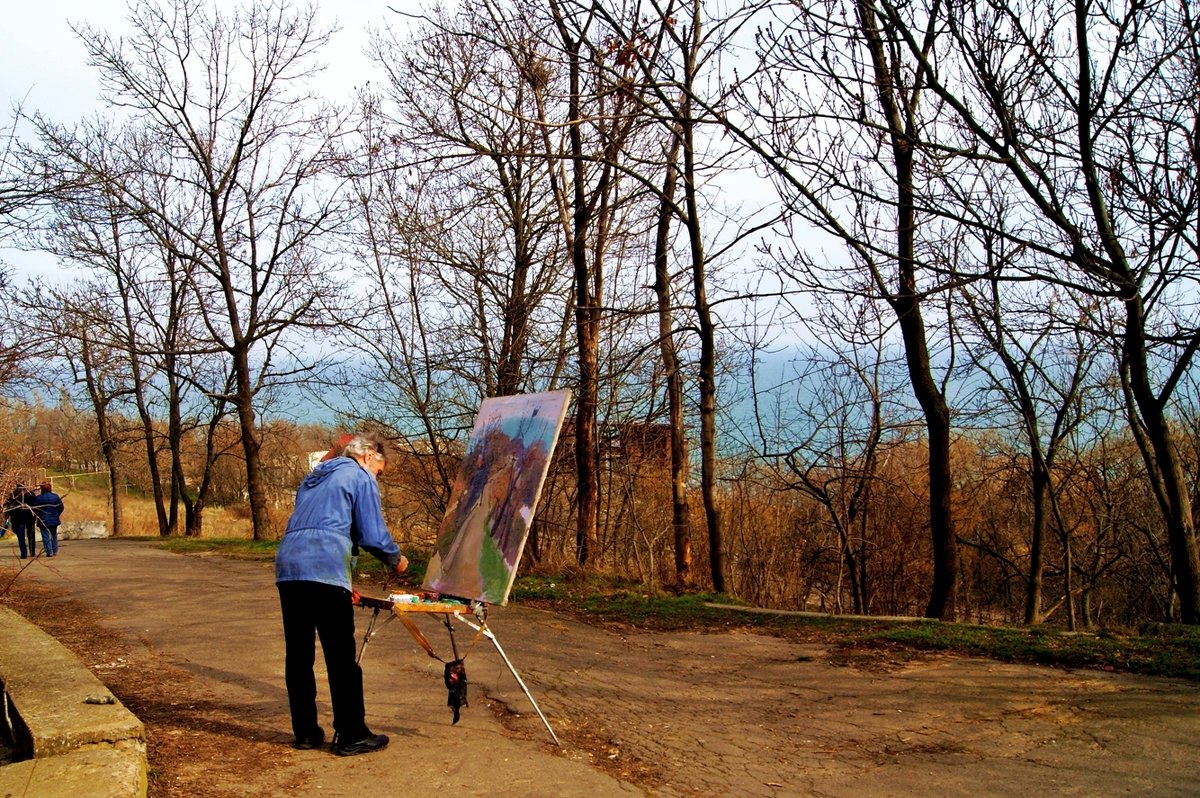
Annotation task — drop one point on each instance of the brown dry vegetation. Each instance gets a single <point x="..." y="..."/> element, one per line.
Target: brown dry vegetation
<point x="783" y="547"/>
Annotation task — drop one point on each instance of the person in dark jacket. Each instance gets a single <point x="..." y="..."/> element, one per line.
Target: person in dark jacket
<point x="20" y="512"/>
<point x="337" y="509"/>
<point x="47" y="510"/>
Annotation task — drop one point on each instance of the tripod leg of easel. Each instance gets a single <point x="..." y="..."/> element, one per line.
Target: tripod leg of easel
<point x="371" y="632"/>
<point x="488" y="633"/>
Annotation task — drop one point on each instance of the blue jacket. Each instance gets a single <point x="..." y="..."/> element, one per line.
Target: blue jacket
<point x="337" y="506"/>
<point x="48" y="508"/>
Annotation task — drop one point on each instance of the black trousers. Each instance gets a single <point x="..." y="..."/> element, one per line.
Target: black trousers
<point x="313" y="607"/>
<point x="26" y="537"/>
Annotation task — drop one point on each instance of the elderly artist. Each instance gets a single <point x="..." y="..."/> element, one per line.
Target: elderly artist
<point x="337" y="508"/>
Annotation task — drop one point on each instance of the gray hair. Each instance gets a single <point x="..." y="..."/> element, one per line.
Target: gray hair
<point x="360" y="445"/>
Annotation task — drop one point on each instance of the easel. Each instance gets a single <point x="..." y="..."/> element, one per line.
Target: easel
<point x="448" y="610"/>
<point x="495" y="494"/>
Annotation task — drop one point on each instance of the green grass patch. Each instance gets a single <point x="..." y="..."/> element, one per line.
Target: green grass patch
<point x="657" y="611"/>
<point x="93" y="483"/>
<point x="371" y="570"/>
<point x="238" y="548"/>
<point x="540" y="588"/>
<point x="1161" y="650"/>
<point x="1154" y="651"/>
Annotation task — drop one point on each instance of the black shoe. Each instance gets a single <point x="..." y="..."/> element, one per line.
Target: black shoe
<point x="311" y="741"/>
<point x="372" y="742"/>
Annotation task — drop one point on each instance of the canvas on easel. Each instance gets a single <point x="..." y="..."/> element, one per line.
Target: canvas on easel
<point x="494" y="496"/>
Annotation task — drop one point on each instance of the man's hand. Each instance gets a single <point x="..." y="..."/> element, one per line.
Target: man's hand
<point x="401" y="566"/>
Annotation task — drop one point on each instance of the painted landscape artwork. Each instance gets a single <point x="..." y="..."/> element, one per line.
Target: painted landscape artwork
<point x="494" y="496"/>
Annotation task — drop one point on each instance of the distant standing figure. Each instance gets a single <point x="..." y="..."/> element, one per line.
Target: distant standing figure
<point x="48" y="509"/>
<point x="10" y="504"/>
<point x="20" y="513"/>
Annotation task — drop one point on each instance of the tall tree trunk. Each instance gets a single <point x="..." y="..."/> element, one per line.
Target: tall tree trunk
<point x="1069" y="582"/>
<point x="681" y="525"/>
<point x="708" y="423"/>
<point x="175" y="440"/>
<point x="243" y="383"/>
<point x="1165" y="466"/>
<point x="1037" y="539"/>
<point x="105" y="433"/>
<point x="244" y="402"/>
<point x="194" y="508"/>
<point x="1173" y="496"/>
<point x="587" y="314"/>
<point x="179" y="488"/>
<point x="134" y="354"/>
<point x="116" y="505"/>
<point x="943" y="595"/>
<point x="510" y="369"/>
<point x="897" y="108"/>
<point x="156" y="486"/>
<point x="708" y="344"/>
<point x="149" y="440"/>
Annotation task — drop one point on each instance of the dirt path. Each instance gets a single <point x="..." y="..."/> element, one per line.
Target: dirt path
<point x="193" y="645"/>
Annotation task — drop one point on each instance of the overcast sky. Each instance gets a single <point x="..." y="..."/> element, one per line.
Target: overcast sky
<point x="42" y="62"/>
<point x="43" y="67"/>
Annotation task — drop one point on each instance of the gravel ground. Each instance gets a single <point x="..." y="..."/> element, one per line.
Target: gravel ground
<point x="192" y="645"/>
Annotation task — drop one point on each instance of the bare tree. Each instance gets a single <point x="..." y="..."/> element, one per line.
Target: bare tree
<point x="848" y="161"/>
<point x="462" y="90"/>
<point x="155" y="327"/>
<point x="96" y="365"/>
<point x="251" y="154"/>
<point x="20" y="189"/>
<point x="1038" y="353"/>
<point x="467" y="292"/>
<point x="671" y="53"/>
<point x="837" y="465"/>
<point x="1092" y="130"/>
<point x="689" y="40"/>
<point x="600" y="114"/>
<point x="92" y="229"/>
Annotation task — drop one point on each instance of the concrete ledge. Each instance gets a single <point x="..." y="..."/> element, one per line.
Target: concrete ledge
<point x="55" y="708"/>
<point x="98" y="773"/>
<point x="82" y="530"/>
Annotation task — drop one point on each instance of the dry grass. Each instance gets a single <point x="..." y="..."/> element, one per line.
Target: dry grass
<point x="141" y="520"/>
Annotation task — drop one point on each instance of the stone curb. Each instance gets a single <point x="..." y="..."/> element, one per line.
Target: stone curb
<point x="96" y="773"/>
<point x="73" y="737"/>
